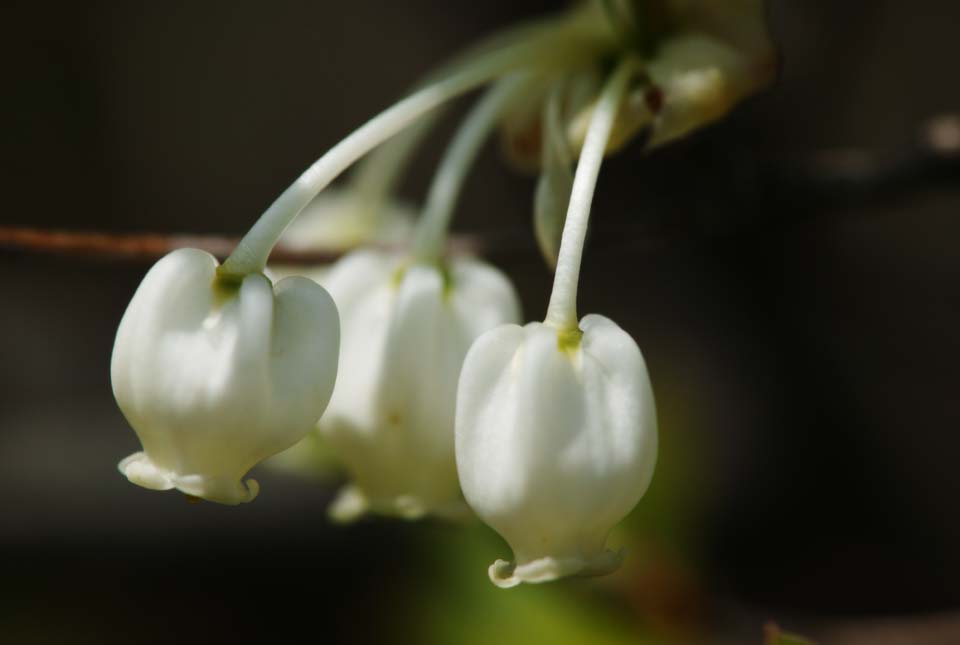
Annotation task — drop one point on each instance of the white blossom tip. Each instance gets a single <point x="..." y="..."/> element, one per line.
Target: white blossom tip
<point x="351" y="504"/>
<point x="547" y="569"/>
<point x="140" y="470"/>
<point x="348" y="506"/>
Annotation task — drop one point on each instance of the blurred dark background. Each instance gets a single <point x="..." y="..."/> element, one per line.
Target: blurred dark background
<point x="801" y="333"/>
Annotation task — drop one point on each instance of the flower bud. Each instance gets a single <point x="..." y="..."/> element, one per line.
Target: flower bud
<point x="556" y="440"/>
<point x="215" y="376"/>
<point x="342" y="219"/>
<point x="406" y="330"/>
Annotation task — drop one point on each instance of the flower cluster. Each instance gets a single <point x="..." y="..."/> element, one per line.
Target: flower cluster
<point x="408" y="361"/>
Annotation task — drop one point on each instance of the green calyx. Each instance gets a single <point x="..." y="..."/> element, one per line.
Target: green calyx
<point x="439" y="265"/>
<point x="568" y="340"/>
<point x="227" y="285"/>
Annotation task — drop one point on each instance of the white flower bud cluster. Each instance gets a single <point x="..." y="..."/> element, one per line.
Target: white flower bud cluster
<point x="409" y="362"/>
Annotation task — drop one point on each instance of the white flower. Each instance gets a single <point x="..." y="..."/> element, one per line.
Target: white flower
<point x="341" y="220"/>
<point x="215" y="376"/>
<point x="344" y="218"/>
<point x="556" y="440"/>
<point x="406" y="329"/>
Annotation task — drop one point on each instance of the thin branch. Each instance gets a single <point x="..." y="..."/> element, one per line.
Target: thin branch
<point x="150" y="246"/>
<point x="109" y="245"/>
<point x="830" y="178"/>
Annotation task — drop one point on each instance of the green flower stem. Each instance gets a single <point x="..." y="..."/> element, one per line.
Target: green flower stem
<point x="558" y="48"/>
<point x="431" y="234"/>
<point x="377" y="175"/>
<point x="562" y="311"/>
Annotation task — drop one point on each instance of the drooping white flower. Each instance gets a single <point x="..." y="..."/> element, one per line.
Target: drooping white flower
<point x="556" y="429"/>
<point x="556" y="440"/>
<point x="406" y="329"/>
<point x="215" y="375"/>
<point x="338" y="219"/>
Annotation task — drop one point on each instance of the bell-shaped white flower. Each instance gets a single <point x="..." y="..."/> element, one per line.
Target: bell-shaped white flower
<point x="556" y="429"/>
<point x="406" y="329"/>
<point x="215" y="375"/>
<point x="408" y="321"/>
<point x="556" y="442"/>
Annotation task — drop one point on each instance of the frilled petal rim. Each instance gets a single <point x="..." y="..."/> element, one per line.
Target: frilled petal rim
<point x="140" y="470"/>
<point x="351" y="504"/>
<point x="509" y="574"/>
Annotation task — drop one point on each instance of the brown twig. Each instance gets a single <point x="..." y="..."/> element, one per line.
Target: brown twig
<point x="830" y="178"/>
<point x="150" y="246"/>
<point x="109" y="245"/>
